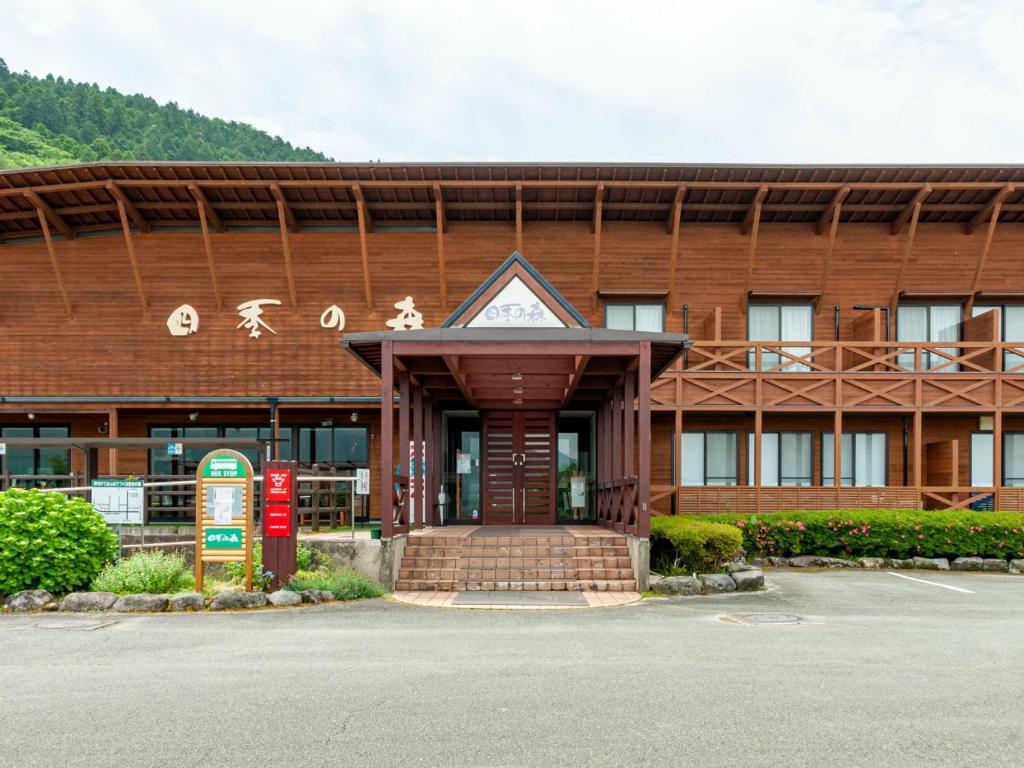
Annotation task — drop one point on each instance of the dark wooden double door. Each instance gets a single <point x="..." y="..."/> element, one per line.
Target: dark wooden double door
<point x="520" y="458"/>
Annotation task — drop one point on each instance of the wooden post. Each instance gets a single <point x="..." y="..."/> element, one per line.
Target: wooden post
<point x="417" y="480"/>
<point x="112" y="430"/>
<point x="519" y="218"/>
<point x="997" y="458"/>
<point x="442" y="227"/>
<point x="387" y="431"/>
<point x="758" y="428"/>
<point x="918" y="454"/>
<point x="644" y="435"/>
<point x="837" y="448"/>
<point x="52" y="250"/>
<point x="429" y="483"/>
<point x="136" y="273"/>
<point x="403" y="437"/>
<point x="596" y="226"/>
<point x="617" y="473"/>
<point x="208" y="245"/>
<point x="628" y="399"/>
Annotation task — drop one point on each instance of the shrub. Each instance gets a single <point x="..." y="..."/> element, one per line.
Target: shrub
<point x="344" y="584"/>
<point x="896" y="533"/>
<point x="692" y="545"/>
<point x="306" y="559"/>
<point x="52" y="542"/>
<point x="155" y="573"/>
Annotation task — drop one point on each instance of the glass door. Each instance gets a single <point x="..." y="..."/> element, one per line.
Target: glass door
<point x="462" y="471"/>
<point x="575" y="469"/>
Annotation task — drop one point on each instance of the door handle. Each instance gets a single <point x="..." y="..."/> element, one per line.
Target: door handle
<point x="524" y="502"/>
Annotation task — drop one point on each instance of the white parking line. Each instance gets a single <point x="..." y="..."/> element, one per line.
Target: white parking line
<point x="933" y="583"/>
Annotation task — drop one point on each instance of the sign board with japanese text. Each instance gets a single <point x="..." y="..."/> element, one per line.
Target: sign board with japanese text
<point x="119" y="501"/>
<point x="280" y="520"/>
<point x="224" y="512"/>
<point x="363" y="481"/>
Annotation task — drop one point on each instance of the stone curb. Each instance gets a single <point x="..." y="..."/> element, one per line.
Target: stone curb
<point x="986" y="564"/>
<point x="36" y="600"/>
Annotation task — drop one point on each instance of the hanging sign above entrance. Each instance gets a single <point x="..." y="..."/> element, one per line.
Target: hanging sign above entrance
<point x="516" y="305"/>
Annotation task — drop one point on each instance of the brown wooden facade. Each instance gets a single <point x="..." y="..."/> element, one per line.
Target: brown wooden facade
<point x="95" y="258"/>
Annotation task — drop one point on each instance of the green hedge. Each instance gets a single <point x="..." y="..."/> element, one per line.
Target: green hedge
<point x="52" y="542"/>
<point x="692" y="545"/>
<point x="896" y="533"/>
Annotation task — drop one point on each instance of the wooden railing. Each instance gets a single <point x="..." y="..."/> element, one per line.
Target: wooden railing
<point x="732" y="375"/>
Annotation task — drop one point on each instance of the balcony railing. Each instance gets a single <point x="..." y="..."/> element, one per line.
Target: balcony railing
<point x="732" y="375"/>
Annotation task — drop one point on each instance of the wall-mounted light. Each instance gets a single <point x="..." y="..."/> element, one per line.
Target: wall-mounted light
<point x="517" y="376"/>
<point x="354" y="417"/>
<point x="31" y="417"/>
<point x="517" y="391"/>
<point x="194" y="416"/>
<point x="103" y="428"/>
<point x="518" y="401"/>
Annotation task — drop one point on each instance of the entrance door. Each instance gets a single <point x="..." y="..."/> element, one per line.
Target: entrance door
<point x="519" y="467"/>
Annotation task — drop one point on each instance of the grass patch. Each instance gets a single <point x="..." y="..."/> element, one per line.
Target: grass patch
<point x="344" y="583"/>
<point x="155" y="573"/>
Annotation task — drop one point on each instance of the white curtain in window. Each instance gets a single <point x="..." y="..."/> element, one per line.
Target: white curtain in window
<point x="981" y="460"/>
<point x="1013" y="331"/>
<point x="911" y="325"/>
<point x="650" y="317"/>
<point x="796" y="325"/>
<point x="1013" y="459"/>
<point x="692" y="445"/>
<point x="619" y="317"/>
<point x="944" y="326"/>
<point x="720" y="460"/>
<point x="795" y="450"/>
<point x="769" y="458"/>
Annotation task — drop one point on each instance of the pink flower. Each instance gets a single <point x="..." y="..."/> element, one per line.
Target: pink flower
<point x="920" y="536"/>
<point x="740" y="524"/>
<point x="800" y="526"/>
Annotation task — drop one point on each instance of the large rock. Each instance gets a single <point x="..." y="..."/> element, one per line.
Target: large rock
<point x="760" y="562"/>
<point x="228" y="600"/>
<point x="713" y="583"/>
<point x="897" y="563"/>
<point x="746" y="580"/>
<point x="30" y="600"/>
<point x="814" y="561"/>
<point x="737" y="566"/>
<point x="967" y="564"/>
<point x="779" y="562"/>
<point x="88" y="601"/>
<point x="995" y="564"/>
<point x="872" y="563"/>
<point x="133" y="603"/>
<point x="932" y="563"/>
<point x="284" y="597"/>
<point x="677" y="585"/>
<point x="1017" y="566"/>
<point x="186" y="601"/>
<point x="316" y="596"/>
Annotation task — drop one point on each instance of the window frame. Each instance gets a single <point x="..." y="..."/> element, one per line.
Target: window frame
<point x="633" y="305"/>
<point x="1002" y="468"/>
<point x="704" y="440"/>
<point x="778" y="459"/>
<point x="35" y="451"/>
<point x="785" y="343"/>
<point x="854" y="433"/>
<point x="928" y="356"/>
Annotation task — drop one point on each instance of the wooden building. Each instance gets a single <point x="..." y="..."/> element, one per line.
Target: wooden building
<point x="884" y="304"/>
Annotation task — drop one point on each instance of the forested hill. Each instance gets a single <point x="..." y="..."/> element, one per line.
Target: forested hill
<point x="53" y="121"/>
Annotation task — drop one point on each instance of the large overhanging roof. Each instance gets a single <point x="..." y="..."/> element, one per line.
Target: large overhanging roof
<point x="91" y="198"/>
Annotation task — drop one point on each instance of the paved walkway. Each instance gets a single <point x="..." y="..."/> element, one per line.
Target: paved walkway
<point x="518" y="601"/>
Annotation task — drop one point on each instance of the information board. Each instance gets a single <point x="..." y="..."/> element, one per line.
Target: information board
<point x="224" y="512"/>
<point x="119" y="501"/>
<point x="363" y="482"/>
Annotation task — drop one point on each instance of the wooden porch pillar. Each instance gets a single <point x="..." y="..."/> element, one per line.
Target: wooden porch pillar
<point x="644" y="435"/>
<point x="677" y="480"/>
<point x="758" y="428"/>
<point x="918" y="448"/>
<point x="403" y="438"/>
<point x="387" y="431"/>
<point x="997" y="457"/>
<point x="617" y="473"/>
<point x="630" y="494"/>
<point x="112" y="431"/>
<point x="430" y="446"/>
<point x="837" y="447"/>
<point x="417" y="479"/>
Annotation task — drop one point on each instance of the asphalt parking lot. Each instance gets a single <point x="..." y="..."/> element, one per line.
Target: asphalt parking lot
<point x="881" y="671"/>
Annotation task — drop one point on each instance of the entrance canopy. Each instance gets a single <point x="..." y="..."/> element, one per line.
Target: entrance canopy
<point x="516" y="346"/>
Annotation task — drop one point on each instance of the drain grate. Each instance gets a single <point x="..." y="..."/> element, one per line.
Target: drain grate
<point x="82" y="625"/>
<point x="762" y="618"/>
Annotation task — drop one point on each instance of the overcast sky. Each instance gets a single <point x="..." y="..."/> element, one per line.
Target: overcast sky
<point x="709" y="81"/>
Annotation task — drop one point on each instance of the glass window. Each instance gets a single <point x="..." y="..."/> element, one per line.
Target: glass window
<point x="780" y="322"/>
<point x="1011" y="320"/>
<point x="1013" y="459"/>
<point x="710" y="458"/>
<point x="981" y="459"/>
<point x="35" y="461"/>
<point x="865" y="459"/>
<point x="334" y="446"/>
<point x="786" y="458"/>
<point x="635" y="317"/>
<point x="923" y="323"/>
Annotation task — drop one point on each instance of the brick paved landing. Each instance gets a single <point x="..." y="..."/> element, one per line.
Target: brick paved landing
<point x="572" y="559"/>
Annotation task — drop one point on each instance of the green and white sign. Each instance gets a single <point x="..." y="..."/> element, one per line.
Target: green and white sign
<point x="223" y="538"/>
<point x="224" y="466"/>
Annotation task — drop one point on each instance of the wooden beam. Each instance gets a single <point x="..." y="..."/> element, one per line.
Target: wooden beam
<point x="983" y="256"/>
<point x="58" y="223"/>
<point x="201" y="205"/>
<point x="45" y="226"/>
<point x="992" y="208"/>
<point x="387" y="437"/>
<point x="133" y="212"/>
<point x="827" y="217"/>
<point x="581" y="362"/>
<point x="673" y="225"/>
<point x="913" y="208"/>
<point x="452" y="363"/>
<point x="364" y="226"/>
<point x="907" y="245"/>
<point x="519" y="218"/>
<point x="442" y="227"/>
<point x="753" y="217"/>
<point x="283" y="209"/>
<point x="357" y="193"/>
<point x="282" y="222"/>
<point x="136" y="272"/>
<point x="204" y="204"/>
<point x="596" y="228"/>
<point x="833" y="229"/>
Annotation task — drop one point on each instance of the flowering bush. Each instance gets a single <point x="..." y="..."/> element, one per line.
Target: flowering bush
<point x="897" y="533"/>
<point x="692" y="545"/>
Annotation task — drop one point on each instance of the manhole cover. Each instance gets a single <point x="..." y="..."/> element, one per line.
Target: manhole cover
<point x="83" y="625"/>
<point x="763" y="618"/>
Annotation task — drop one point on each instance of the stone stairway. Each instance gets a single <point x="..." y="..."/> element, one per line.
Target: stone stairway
<point x="598" y="562"/>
